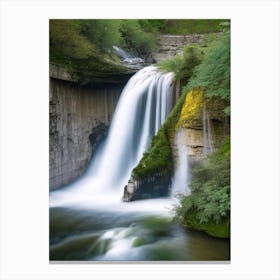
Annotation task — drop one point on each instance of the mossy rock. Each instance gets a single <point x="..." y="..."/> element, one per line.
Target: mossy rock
<point x="221" y="230"/>
<point x="97" y="68"/>
<point x="138" y="241"/>
<point x="192" y="110"/>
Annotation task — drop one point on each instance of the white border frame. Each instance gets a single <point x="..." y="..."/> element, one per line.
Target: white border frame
<point x="255" y="138"/>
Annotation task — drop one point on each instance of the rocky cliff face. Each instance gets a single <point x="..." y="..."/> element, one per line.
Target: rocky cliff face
<point x="204" y="126"/>
<point x="171" y="45"/>
<point x="79" y="118"/>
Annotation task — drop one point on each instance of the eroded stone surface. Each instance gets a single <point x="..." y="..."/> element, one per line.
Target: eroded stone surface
<point x="171" y="45"/>
<point x="79" y="117"/>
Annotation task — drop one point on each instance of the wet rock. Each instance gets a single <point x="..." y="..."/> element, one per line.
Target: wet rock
<point x="154" y="186"/>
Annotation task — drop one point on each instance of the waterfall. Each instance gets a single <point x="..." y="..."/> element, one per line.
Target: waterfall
<point x="144" y="104"/>
<point x="207" y="135"/>
<point x="127" y="57"/>
<point x="123" y="54"/>
<point x="181" y="176"/>
<point x="88" y="220"/>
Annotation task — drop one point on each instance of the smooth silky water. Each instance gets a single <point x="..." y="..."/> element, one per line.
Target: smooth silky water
<point x="89" y="221"/>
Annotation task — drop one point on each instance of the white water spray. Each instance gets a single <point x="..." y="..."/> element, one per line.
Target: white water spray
<point x="144" y="104"/>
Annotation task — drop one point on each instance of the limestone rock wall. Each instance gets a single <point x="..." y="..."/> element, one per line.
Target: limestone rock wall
<point x="79" y="117"/>
<point x="203" y="124"/>
<point x="171" y="45"/>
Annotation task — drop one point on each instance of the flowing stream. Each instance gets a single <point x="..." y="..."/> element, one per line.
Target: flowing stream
<point x="127" y="58"/>
<point x="89" y="221"/>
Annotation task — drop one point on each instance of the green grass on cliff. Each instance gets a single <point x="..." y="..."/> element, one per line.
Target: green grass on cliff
<point x="72" y="49"/>
<point x="85" y="47"/>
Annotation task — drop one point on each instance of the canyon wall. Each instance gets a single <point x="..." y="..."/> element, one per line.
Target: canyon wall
<point x="204" y="125"/>
<point x="79" y="117"/>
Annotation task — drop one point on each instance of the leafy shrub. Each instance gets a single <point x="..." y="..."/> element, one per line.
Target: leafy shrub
<point x="134" y="39"/>
<point x="192" y="57"/>
<point x="183" y="65"/>
<point x="213" y="74"/>
<point x="66" y="39"/>
<point x="173" y="64"/>
<point x="209" y="202"/>
<point x="152" y="25"/>
<point x="104" y="33"/>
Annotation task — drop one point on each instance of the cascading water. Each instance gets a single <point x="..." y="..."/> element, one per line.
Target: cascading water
<point x="143" y="106"/>
<point x="207" y="135"/>
<point x="122" y="53"/>
<point x="127" y="57"/>
<point x="180" y="180"/>
<point x="88" y="220"/>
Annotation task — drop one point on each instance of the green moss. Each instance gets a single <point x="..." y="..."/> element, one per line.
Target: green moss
<point x="74" y="46"/>
<point x="157" y="159"/>
<point x="191" y="113"/>
<point x="97" y="67"/>
<point x="213" y="74"/>
<point x="221" y="230"/>
<point x="138" y="241"/>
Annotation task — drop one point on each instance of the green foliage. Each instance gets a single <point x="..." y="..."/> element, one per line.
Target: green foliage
<point x="135" y="39"/>
<point x="191" y="58"/>
<point x="221" y="230"/>
<point x="183" y="65"/>
<point x="173" y="64"/>
<point x="85" y="46"/>
<point x="104" y="33"/>
<point x="183" y="26"/>
<point x="208" y="206"/>
<point x="191" y="26"/>
<point x="213" y="74"/>
<point x="158" y="158"/>
<point x="66" y="39"/>
<point x="152" y="25"/>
